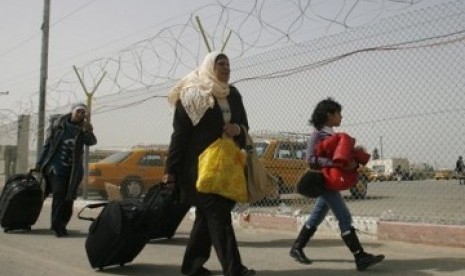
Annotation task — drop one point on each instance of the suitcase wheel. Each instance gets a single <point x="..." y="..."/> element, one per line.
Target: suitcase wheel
<point x="26" y="228"/>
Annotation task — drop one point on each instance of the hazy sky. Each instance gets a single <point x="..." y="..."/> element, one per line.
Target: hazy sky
<point x="81" y="30"/>
<point x="121" y="34"/>
<point x="85" y="30"/>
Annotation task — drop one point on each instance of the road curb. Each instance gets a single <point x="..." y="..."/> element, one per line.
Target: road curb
<point x="441" y="235"/>
<point x="369" y="228"/>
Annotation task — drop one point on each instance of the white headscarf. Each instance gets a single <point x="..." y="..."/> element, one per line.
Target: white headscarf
<point x="196" y="89"/>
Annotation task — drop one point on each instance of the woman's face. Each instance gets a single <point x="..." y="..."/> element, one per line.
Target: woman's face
<point x="222" y="69"/>
<point x="334" y="119"/>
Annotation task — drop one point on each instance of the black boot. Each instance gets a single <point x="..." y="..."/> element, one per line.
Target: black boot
<point x="362" y="259"/>
<point x="297" y="248"/>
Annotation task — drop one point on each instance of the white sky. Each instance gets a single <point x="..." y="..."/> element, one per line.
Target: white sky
<point x="98" y="29"/>
<point x="84" y="30"/>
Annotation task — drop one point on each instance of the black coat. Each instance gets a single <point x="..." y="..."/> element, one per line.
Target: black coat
<point x="189" y="141"/>
<point x="51" y="147"/>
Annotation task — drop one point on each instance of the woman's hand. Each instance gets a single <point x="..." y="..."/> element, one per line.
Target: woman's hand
<point x="169" y="179"/>
<point x="232" y="130"/>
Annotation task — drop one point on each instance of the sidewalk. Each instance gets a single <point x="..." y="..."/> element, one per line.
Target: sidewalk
<point x="39" y="252"/>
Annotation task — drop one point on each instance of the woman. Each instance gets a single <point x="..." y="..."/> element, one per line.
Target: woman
<point x="325" y="117"/>
<point x="206" y="108"/>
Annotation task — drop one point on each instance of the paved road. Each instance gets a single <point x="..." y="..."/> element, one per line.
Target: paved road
<point x="40" y="253"/>
<point x="426" y="201"/>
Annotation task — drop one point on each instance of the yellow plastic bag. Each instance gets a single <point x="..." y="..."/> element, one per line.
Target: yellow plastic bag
<point x="221" y="170"/>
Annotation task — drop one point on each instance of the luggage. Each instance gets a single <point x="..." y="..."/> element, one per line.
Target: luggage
<point x="165" y="212"/>
<point x="20" y="202"/>
<point x="118" y="234"/>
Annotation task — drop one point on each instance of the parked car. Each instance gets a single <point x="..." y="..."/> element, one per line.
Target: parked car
<point x="389" y="169"/>
<point x="134" y="171"/>
<point x="381" y="176"/>
<point x="443" y="174"/>
<point x="285" y="159"/>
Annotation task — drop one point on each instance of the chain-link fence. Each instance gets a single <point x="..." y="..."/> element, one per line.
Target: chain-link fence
<point x="401" y="86"/>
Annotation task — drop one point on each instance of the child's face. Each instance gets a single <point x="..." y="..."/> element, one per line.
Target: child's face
<point x="334" y="119"/>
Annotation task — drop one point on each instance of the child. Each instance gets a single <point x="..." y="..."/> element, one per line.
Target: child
<point x="327" y="114"/>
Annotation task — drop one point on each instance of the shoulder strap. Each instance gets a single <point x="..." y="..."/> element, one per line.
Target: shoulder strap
<point x="248" y="139"/>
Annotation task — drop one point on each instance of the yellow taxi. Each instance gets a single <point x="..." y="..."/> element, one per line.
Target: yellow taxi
<point x="285" y="159"/>
<point x="443" y="174"/>
<point x="134" y="171"/>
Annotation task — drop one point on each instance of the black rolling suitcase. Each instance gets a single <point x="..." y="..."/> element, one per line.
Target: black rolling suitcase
<point x="118" y="234"/>
<point x="165" y="212"/>
<point x="20" y="202"/>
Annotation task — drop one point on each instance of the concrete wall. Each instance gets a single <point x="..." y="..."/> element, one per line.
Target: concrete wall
<point x="17" y="158"/>
<point x="22" y="149"/>
<point x="7" y="160"/>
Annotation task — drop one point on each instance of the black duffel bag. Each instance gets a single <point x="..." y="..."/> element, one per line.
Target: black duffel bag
<point x="118" y="234"/>
<point x="165" y="210"/>
<point x="311" y="184"/>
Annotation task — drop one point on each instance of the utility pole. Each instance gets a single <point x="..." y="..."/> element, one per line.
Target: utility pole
<point x="43" y="77"/>
<point x="203" y="34"/>
<point x="381" y="147"/>
<point x="89" y="96"/>
<point x="202" y="31"/>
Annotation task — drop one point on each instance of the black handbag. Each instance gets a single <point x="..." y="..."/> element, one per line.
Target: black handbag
<point x="311" y="184"/>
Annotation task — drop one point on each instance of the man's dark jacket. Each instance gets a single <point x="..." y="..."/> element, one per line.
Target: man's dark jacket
<point x="51" y="148"/>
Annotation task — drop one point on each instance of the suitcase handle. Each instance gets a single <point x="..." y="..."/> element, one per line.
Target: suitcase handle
<point x="32" y="172"/>
<point x="90" y="206"/>
<point x="161" y="188"/>
<point x="39" y="178"/>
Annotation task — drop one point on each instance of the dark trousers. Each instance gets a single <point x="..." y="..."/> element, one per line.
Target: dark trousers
<point x="212" y="226"/>
<point x="62" y="209"/>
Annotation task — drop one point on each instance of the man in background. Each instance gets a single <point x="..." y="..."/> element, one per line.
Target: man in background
<point x="61" y="163"/>
<point x="460" y="168"/>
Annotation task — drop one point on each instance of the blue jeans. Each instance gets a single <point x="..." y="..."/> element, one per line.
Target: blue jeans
<point x="333" y="200"/>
